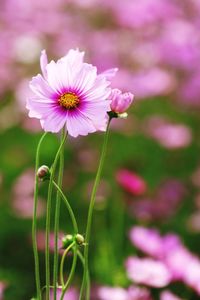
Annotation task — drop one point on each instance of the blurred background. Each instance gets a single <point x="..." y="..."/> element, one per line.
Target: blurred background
<point x="150" y="191"/>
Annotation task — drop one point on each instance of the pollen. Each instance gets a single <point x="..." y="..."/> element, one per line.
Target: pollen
<point x="68" y="100"/>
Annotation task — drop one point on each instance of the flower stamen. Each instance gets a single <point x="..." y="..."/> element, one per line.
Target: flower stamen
<point x="68" y="100"/>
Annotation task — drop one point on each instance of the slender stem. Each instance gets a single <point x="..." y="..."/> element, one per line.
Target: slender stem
<point x="68" y="207"/>
<point x="90" y="212"/>
<point x="57" y="217"/>
<point x="34" y="223"/>
<point x="71" y="273"/>
<point x="80" y="255"/>
<point x="62" y="263"/>
<point x="48" y="219"/>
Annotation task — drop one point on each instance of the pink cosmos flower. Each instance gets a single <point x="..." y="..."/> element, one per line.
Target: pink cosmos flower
<point x="120" y="102"/>
<point x="148" y="271"/>
<point x="70" y="94"/>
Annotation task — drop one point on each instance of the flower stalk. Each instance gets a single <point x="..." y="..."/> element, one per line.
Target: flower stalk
<point x="90" y="214"/>
<point x="57" y="215"/>
<point x="34" y="223"/>
<point x="48" y="217"/>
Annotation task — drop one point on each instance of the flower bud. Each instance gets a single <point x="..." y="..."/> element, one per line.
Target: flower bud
<point x="79" y="239"/>
<point x="120" y="102"/>
<point x="43" y="173"/>
<point x="67" y="240"/>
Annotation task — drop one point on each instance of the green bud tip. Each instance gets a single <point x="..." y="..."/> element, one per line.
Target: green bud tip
<point x="67" y="240"/>
<point x="79" y="239"/>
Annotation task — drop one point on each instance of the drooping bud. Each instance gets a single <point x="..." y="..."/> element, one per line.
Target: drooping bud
<point x="43" y="173"/>
<point x="120" y="102"/>
<point x="79" y="239"/>
<point x="67" y="240"/>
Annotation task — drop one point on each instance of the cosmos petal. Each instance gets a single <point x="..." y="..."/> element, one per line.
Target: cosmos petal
<point x="78" y="124"/>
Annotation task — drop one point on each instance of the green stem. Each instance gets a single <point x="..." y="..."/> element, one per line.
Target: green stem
<point x="34" y="223"/>
<point x="75" y="226"/>
<point x="48" y="219"/>
<point x="90" y="212"/>
<point x="57" y="217"/>
<point x="64" y="289"/>
<point x="80" y="255"/>
<point x="62" y="263"/>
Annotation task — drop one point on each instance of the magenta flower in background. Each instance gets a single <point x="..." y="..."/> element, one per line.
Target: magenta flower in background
<point x="71" y="94"/>
<point x="120" y="102"/>
<point x="131" y="182"/>
<point x="148" y="271"/>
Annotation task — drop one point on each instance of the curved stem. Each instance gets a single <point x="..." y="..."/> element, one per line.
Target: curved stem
<point x="57" y="217"/>
<point x="75" y="226"/>
<point x="48" y="218"/>
<point x="34" y="223"/>
<point x="62" y="263"/>
<point x="90" y="211"/>
<point x="64" y="289"/>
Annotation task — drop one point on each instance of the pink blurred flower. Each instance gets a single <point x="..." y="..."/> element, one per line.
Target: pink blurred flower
<point x="162" y="204"/>
<point x="148" y="271"/>
<point x="171" y="253"/>
<point x="168" y="295"/>
<point x="70" y="94"/>
<point x="145" y="12"/>
<point x="41" y="241"/>
<point x="131" y="182"/>
<point x="23" y="190"/>
<point x="71" y="294"/>
<point x="179" y="44"/>
<point x="152" y="82"/>
<point x="138" y="293"/>
<point x="118" y="293"/>
<point x="169" y="135"/>
<point x="109" y="293"/>
<point x="120" y="102"/>
<point x="3" y="286"/>
<point x="189" y="92"/>
<point x="147" y="240"/>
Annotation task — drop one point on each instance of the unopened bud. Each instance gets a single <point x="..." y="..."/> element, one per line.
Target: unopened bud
<point x="67" y="240"/>
<point x="120" y="102"/>
<point x="43" y="173"/>
<point x="79" y="239"/>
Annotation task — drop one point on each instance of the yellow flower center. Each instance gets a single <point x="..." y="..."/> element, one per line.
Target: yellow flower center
<point x="68" y="100"/>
